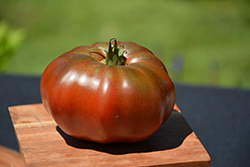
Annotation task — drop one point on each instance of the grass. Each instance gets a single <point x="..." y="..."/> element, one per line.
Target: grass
<point x="209" y="38"/>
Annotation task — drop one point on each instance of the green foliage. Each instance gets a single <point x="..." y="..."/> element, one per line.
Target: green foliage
<point x="200" y="42"/>
<point x="10" y="40"/>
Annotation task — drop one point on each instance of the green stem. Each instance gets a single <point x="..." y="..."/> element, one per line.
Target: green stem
<point x="114" y="55"/>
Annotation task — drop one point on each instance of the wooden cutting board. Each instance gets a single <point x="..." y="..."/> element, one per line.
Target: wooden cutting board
<point x="43" y="143"/>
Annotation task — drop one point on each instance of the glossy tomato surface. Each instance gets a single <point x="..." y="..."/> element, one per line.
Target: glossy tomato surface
<point x="108" y="103"/>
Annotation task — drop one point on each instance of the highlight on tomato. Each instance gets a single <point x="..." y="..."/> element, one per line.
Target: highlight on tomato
<point x="108" y="92"/>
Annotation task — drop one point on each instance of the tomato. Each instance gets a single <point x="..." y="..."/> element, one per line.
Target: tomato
<point x="121" y="95"/>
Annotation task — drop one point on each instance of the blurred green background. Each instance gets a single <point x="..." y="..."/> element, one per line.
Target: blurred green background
<point x="200" y="42"/>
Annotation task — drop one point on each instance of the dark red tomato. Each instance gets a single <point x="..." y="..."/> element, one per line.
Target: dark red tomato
<point x="108" y="103"/>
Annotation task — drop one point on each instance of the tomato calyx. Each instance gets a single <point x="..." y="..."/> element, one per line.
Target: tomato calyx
<point x="114" y="54"/>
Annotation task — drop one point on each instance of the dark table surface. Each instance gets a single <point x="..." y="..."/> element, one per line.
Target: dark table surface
<point x="220" y="117"/>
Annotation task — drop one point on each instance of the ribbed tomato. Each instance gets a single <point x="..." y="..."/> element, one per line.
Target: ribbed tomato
<point x="121" y="95"/>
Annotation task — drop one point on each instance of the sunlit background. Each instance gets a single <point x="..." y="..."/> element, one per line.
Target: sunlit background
<point x="200" y="42"/>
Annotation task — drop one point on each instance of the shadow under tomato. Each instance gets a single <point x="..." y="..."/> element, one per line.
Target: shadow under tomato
<point x="170" y="135"/>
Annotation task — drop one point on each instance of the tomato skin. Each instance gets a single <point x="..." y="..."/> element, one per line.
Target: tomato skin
<point x="108" y="103"/>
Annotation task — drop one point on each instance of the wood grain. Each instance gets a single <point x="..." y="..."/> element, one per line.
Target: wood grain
<point x="43" y="143"/>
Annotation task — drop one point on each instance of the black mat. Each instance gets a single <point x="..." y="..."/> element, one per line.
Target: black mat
<point x="220" y="117"/>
